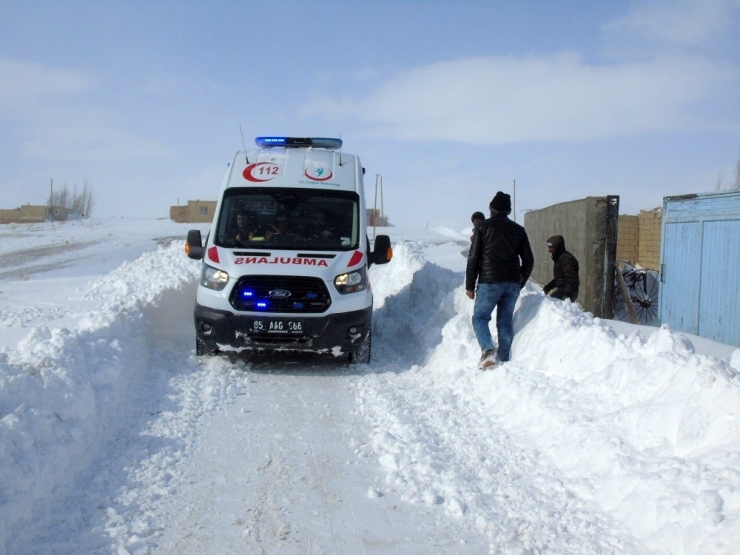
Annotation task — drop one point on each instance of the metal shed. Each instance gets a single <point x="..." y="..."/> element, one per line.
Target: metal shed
<point x="700" y="265"/>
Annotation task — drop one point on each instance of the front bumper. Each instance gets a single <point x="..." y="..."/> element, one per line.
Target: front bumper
<point x="221" y="330"/>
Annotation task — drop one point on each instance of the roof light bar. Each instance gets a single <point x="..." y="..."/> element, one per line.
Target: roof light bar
<point x="299" y="142"/>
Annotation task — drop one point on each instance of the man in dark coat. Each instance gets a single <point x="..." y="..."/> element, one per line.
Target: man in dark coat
<point x="565" y="283"/>
<point x="500" y="261"/>
<point x="475" y="219"/>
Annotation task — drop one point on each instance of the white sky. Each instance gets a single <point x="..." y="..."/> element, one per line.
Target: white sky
<point x="449" y="102"/>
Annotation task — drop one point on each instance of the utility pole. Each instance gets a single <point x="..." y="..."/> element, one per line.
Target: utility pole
<point x="515" y="200"/>
<point x="382" y="211"/>
<point x="375" y="205"/>
<point x="376" y="214"/>
<point x="51" y="200"/>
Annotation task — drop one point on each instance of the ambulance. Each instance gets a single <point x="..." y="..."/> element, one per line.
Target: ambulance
<point x="285" y="264"/>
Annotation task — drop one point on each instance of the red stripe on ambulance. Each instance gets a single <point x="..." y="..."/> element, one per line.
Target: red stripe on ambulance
<point x="356" y="259"/>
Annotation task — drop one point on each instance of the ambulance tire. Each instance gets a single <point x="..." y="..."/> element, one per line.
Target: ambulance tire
<point x="362" y="354"/>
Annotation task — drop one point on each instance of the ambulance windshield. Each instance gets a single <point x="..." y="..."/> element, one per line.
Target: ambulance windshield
<point x="288" y="219"/>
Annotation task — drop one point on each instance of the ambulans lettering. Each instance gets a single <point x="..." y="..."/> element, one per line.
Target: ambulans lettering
<point x="280" y="260"/>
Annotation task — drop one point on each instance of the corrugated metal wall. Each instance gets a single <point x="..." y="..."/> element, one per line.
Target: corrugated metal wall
<point x="700" y="290"/>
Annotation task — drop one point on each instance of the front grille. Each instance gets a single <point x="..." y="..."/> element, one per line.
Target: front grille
<point x="286" y="294"/>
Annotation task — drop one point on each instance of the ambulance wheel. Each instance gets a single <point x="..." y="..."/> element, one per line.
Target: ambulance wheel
<point x="362" y="354"/>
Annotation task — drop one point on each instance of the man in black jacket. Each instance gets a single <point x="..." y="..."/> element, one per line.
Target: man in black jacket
<point x="475" y="219"/>
<point x="565" y="283"/>
<point x="501" y="261"/>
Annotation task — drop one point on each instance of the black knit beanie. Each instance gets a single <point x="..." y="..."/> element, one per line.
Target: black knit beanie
<point x="501" y="203"/>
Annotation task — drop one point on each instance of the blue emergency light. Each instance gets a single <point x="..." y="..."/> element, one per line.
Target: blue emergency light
<point x="299" y="142"/>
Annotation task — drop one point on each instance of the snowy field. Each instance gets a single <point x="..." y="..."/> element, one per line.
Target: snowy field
<point x="598" y="437"/>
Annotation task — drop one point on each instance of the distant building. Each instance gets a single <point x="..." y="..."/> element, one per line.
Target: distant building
<point x="195" y="211"/>
<point x="33" y="214"/>
<point x="59" y="213"/>
<point x="375" y="218"/>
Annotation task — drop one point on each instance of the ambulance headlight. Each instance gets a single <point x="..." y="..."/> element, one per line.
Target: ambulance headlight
<point x="351" y="282"/>
<point x="213" y="278"/>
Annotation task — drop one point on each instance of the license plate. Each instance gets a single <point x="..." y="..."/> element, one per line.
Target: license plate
<point x="277" y="327"/>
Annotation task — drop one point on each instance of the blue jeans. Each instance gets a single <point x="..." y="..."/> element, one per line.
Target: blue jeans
<point x="501" y="296"/>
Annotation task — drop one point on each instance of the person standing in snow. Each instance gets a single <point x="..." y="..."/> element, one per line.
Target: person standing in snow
<point x="475" y="219"/>
<point x="500" y="261"/>
<point x="565" y="283"/>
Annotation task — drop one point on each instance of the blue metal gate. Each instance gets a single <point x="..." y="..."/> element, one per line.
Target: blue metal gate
<point x="700" y="265"/>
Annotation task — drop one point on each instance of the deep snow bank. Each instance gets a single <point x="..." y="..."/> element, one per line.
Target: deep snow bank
<point x="642" y="427"/>
<point x="64" y="392"/>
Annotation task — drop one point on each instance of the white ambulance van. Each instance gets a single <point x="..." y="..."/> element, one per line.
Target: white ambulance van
<point x="285" y="264"/>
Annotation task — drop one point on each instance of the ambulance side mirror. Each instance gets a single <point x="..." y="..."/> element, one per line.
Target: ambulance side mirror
<point x="194" y="245"/>
<point x="383" y="251"/>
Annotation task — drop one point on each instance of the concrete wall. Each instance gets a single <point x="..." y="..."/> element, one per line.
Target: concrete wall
<point x="589" y="227"/>
<point x="196" y="211"/>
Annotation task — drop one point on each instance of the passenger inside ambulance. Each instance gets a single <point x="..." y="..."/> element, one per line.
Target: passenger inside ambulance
<point x="318" y="227"/>
<point x="241" y="231"/>
<point x="244" y="229"/>
<point x="281" y="228"/>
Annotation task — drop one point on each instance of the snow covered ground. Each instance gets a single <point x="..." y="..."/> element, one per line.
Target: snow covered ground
<point x="598" y="437"/>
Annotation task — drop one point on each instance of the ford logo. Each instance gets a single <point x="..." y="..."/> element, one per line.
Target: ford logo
<point x="279" y="294"/>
